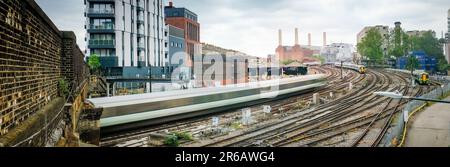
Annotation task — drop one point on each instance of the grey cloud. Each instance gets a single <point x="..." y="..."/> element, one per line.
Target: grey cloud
<point x="251" y="25"/>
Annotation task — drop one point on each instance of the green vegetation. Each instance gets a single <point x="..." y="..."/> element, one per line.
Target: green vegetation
<point x="370" y="45"/>
<point x="401" y="44"/>
<point x="94" y="63"/>
<point x="63" y="88"/>
<point x="184" y="136"/>
<point x="319" y="57"/>
<point x="286" y="62"/>
<point x="412" y="63"/>
<point x="172" y="141"/>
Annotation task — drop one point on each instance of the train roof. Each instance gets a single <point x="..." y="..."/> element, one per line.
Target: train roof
<point x="160" y="96"/>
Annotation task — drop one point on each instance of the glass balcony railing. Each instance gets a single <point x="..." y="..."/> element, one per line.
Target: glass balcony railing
<point x="100" y="11"/>
<point x="102" y="27"/>
<point x="140" y="31"/>
<point x="140" y="19"/>
<point x="140" y="5"/>
<point x="102" y="43"/>
<point x="141" y="45"/>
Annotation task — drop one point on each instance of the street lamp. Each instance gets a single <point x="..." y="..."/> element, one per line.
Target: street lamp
<point x="397" y="95"/>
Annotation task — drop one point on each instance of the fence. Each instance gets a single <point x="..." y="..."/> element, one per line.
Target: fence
<point x="395" y="136"/>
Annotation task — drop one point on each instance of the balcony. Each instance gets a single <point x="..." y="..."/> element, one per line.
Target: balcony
<point x="100" y="13"/>
<point x="101" y="0"/>
<point x="101" y="43"/>
<point x="105" y="28"/>
<point x="141" y="46"/>
<point x="140" y="6"/>
<point x="140" y="32"/>
<point x="141" y="61"/>
<point x="140" y="19"/>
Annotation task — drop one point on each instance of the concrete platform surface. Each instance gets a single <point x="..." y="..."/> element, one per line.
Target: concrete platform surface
<point x="431" y="127"/>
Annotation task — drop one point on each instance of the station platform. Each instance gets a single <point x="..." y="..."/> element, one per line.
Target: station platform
<point x="431" y="127"/>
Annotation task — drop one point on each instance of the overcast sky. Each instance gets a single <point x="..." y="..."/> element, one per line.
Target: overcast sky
<point x="252" y="26"/>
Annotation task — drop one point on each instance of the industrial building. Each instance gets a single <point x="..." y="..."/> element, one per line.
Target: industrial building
<point x="302" y="54"/>
<point x="234" y="68"/>
<point x="426" y="62"/>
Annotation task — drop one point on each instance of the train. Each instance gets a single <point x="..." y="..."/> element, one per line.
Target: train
<point x="122" y="113"/>
<point x="298" y="70"/>
<point x="359" y="68"/>
<point x="293" y="71"/>
<point x="422" y="78"/>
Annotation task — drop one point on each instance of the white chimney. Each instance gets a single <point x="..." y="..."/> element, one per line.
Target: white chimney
<point x="309" y="39"/>
<point x="296" y="36"/>
<point x="280" y="37"/>
<point x="324" y="38"/>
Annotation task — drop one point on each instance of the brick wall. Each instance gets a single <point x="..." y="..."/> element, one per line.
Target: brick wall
<point x="31" y="61"/>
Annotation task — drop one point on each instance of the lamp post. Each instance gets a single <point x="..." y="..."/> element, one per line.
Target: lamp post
<point x="397" y="95"/>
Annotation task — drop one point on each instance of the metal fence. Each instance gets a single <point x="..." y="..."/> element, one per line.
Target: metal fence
<point x="394" y="136"/>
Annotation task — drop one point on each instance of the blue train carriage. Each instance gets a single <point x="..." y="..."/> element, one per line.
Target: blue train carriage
<point x="422" y="78"/>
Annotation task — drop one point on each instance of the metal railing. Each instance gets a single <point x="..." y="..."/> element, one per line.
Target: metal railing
<point x="100" y="11"/>
<point x="397" y="131"/>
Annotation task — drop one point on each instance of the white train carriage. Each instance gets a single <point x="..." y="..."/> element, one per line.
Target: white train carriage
<point x="359" y="68"/>
<point x="134" y="111"/>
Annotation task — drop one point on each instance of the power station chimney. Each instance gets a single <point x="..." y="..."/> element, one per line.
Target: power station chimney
<point x="171" y="3"/>
<point x="324" y="38"/>
<point x="280" y="37"/>
<point x="309" y="39"/>
<point x="296" y="36"/>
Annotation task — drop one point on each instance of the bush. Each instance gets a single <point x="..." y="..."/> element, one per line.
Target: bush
<point x="63" y="88"/>
<point x="172" y="141"/>
<point x="184" y="136"/>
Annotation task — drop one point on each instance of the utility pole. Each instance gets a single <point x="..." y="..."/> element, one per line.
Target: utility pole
<point x="150" y="78"/>
<point x="342" y="66"/>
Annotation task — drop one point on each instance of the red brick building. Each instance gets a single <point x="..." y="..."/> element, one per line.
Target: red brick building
<point x="185" y="19"/>
<point x="296" y="52"/>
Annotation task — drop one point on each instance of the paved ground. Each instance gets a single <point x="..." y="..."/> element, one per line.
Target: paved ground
<point x="430" y="128"/>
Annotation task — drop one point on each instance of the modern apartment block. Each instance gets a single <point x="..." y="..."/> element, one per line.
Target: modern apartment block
<point x="175" y="44"/>
<point x="186" y="20"/>
<point x="126" y="34"/>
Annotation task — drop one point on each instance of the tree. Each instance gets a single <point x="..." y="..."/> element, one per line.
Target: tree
<point x="398" y="42"/>
<point x="431" y="46"/>
<point x="371" y="45"/>
<point x="94" y="62"/>
<point x="412" y="63"/>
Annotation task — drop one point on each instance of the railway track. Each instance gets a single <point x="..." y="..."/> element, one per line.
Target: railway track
<point x="186" y="125"/>
<point x="313" y="125"/>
